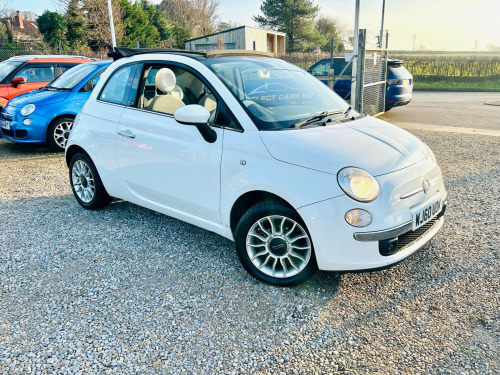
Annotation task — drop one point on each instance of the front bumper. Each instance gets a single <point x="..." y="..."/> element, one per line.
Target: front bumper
<point x="18" y="132"/>
<point x="341" y="247"/>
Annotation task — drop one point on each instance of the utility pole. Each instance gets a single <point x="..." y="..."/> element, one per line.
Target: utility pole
<point x="355" y="55"/>
<point x="381" y="38"/>
<point x="414" y="36"/>
<point x="111" y="24"/>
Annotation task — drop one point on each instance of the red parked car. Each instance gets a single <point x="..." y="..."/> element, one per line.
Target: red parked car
<point x="26" y="73"/>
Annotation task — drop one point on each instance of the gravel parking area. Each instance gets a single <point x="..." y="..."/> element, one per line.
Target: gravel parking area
<point x="125" y="290"/>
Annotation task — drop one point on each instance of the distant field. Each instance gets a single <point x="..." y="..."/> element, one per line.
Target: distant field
<point x="453" y="71"/>
<point x="451" y="84"/>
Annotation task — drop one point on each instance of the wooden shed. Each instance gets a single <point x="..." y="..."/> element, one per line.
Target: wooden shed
<point x="243" y="37"/>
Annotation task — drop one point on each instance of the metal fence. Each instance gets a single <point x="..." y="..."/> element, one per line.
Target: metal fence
<point x="305" y="60"/>
<point x="370" y="78"/>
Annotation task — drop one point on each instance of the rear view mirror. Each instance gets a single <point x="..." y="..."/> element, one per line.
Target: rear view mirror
<point x="197" y="115"/>
<point x="18" y="81"/>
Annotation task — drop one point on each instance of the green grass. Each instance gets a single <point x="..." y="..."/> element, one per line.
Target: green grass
<point x="457" y="83"/>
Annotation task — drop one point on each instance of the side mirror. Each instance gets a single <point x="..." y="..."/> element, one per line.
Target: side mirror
<point x="16" y="81"/>
<point x="197" y="115"/>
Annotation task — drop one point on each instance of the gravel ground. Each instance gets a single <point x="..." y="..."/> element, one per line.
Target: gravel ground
<point x="125" y="290"/>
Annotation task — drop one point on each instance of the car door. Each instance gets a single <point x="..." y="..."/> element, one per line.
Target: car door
<point x="163" y="161"/>
<point x="101" y="118"/>
<point x="36" y="74"/>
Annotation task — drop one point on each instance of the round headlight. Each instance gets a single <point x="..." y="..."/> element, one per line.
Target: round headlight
<point x="28" y="109"/>
<point x="358" y="184"/>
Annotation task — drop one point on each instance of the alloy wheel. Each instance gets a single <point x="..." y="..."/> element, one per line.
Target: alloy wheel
<point x="83" y="181"/>
<point x="278" y="246"/>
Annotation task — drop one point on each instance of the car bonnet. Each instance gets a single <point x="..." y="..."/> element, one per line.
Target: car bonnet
<point x="39" y="97"/>
<point x="369" y="143"/>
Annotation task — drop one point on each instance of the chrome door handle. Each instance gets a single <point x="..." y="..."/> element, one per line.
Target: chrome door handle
<point x="125" y="134"/>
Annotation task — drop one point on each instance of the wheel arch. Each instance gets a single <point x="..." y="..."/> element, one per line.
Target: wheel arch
<point x="71" y="151"/>
<point x="247" y="200"/>
<point x="54" y="120"/>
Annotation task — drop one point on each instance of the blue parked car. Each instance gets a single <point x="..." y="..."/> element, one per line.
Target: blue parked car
<point x="399" y="86"/>
<point x="46" y="115"/>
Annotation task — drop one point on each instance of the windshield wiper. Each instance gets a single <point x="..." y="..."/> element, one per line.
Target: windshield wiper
<point x="315" y="118"/>
<point x="57" y="88"/>
<point x="347" y="111"/>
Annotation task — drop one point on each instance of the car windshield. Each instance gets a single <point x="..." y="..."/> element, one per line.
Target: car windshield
<point x="72" y="77"/>
<point x="275" y="94"/>
<point x="7" y="67"/>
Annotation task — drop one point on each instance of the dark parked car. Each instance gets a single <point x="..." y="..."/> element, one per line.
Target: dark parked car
<point x="399" y="80"/>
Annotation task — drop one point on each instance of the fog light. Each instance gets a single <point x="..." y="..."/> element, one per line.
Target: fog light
<point x="28" y="121"/>
<point x="358" y="218"/>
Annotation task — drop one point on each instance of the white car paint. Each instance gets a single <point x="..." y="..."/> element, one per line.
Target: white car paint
<point x="168" y="167"/>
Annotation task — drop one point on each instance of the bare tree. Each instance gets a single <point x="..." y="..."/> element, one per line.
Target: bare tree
<point x="97" y="23"/>
<point x="29" y="15"/>
<point x="198" y="16"/>
<point x="5" y="8"/>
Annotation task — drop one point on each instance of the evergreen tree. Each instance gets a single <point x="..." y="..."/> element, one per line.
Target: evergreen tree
<point x="137" y="28"/>
<point x="158" y="20"/>
<point x="76" y="25"/>
<point x="53" y="27"/>
<point x="293" y="17"/>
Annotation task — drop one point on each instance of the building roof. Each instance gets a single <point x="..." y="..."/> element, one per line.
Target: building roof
<point x="22" y="26"/>
<point x="233" y="29"/>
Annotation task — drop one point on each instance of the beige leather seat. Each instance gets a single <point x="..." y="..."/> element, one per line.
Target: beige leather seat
<point x="209" y="102"/>
<point x="170" y="100"/>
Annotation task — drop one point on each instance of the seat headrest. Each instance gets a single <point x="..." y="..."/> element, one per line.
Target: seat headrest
<point x="165" y="80"/>
<point x="177" y="91"/>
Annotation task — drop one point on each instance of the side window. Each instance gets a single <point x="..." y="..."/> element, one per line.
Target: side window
<point x="321" y="69"/>
<point x="165" y="88"/>
<point x="37" y="73"/>
<point x="115" y="90"/>
<point x="66" y="67"/>
<point x="91" y="83"/>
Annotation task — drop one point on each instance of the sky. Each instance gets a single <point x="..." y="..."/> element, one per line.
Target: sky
<point x="452" y="25"/>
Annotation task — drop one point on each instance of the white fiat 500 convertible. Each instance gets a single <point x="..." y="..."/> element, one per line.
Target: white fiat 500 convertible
<point x="259" y="151"/>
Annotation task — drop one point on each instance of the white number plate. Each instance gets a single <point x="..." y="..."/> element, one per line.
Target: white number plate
<point x="424" y="213"/>
<point x="5" y="125"/>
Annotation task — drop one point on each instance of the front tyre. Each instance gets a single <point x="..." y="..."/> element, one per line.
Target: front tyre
<point x="274" y="246"/>
<point x="86" y="183"/>
<point x="58" y="133"/>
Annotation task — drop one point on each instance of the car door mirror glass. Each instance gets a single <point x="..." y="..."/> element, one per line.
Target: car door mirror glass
<point x="192" y="114"/>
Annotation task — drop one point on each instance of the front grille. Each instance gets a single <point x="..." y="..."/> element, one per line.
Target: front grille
<point x="410" y="237"/>
<point x="9" y="133"/>
<point x="21" y="133"/>
<point x="392" y="246"/>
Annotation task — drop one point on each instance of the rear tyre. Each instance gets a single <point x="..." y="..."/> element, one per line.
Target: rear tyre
<point x="58" y="133"/>
<point x="86" y="184"/>
<point x="274" y="246"/>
